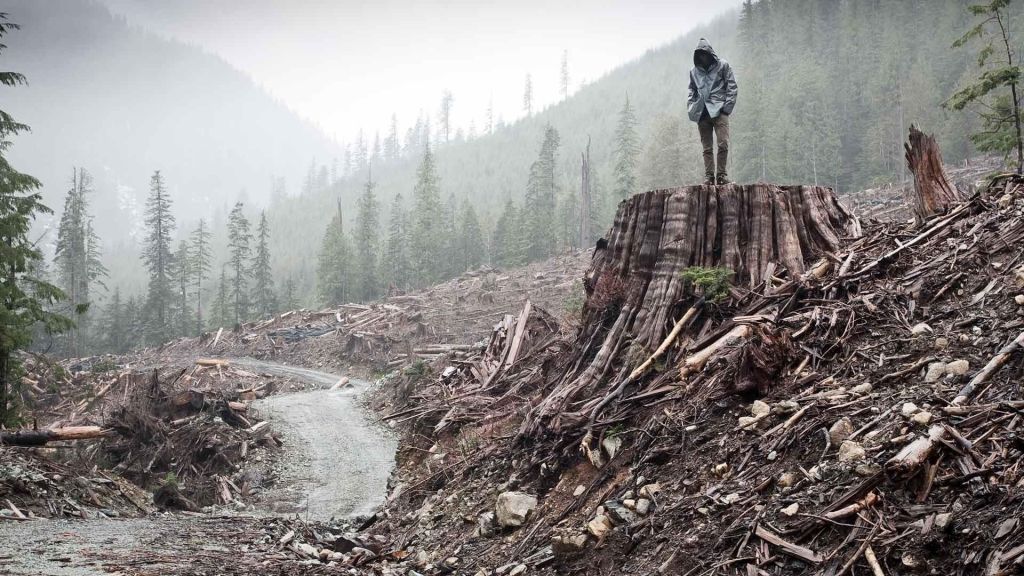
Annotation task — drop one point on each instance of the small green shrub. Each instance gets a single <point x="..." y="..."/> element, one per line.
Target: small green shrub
<point x="713" y="282"/>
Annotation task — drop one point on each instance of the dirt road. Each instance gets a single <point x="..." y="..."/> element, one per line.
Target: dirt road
<point x="336" y="464"/>
<point x="337" y="460"/>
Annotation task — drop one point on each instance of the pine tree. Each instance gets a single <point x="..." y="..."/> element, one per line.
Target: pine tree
<point x="134" y="333"/>
<point x="289" y="299"/>
<point x="447" y="100"/>
<point x="663" y="158"/>
<point x="490" y="116"/>
<point x="472" y="248"/>
<point x="263" y="297"/>
<point x="528" y="96"/>
<point x="367" y="244"/>
<point x="397" y="269"/>
<point x="427" y="215"/>
<point x="156" y="255"/>
<point x="392" y="148"/>
<point x="540" y="202"/>
<point x="182" y="269"/>
<point x="221" y="313"/>
<point x="627" y="149"/>
<point x="564" y="76"/>
<point x="115" y="337"/>
<point x="26" y="299"/>
<point x="201" y="260"/>
<point x="77" y="259"/>
<point x="1001" y="116"/>
<point x="239" y="254"/>
<point x="334" y="278"/>
<point x="504" y="239"/>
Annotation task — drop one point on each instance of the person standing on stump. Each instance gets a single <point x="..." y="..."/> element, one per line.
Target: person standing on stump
<point x="712" y="98"/>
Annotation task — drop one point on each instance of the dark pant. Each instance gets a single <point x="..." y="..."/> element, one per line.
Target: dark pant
<point x="720" y="128"/>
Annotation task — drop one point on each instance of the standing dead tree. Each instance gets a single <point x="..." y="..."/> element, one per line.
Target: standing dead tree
<point x="636" y="288"/>
<point x="585" y="200"/>
<point x="933" y="190"/>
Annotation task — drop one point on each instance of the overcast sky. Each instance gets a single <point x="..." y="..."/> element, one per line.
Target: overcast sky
<point x="349" y="64"/>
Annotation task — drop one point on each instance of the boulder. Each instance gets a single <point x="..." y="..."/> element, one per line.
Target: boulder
<point x="841" y="430"/>
<point x="850" y="451"/>
<point x="512" y="508"/>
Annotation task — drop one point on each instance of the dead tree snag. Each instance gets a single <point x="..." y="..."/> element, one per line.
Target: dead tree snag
<point x="933" y="190"/>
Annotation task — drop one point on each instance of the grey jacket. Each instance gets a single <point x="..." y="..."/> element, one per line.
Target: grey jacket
<point x="713" y="88"/>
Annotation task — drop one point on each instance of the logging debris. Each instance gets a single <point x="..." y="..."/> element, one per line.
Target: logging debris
<point x="856" y="412"/>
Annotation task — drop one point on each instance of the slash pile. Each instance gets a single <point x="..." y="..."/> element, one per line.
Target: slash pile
<point x="856" y="411"/>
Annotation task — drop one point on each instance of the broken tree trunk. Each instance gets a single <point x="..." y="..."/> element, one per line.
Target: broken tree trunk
<point x="635" y="287"/>
<point x="41" y="437"/>
<point x="933" y="190"/>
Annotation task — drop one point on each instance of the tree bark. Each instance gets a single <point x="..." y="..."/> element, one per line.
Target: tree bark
<point x="635" y="288"/>
<point x="933" y="190"/>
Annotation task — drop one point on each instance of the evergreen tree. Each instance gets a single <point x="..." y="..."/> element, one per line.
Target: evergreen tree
<point x="663" y="158"/>
<point x="135" y="332"/>
<point x="182" y="269"/>
<point x="472" y="248"/>
<point x="77" y="259"/>
<point x="239" y="254"/>
<point x="221" y="315"/>
<point x="564" y="76"/>
<point x="289" y="299"/>
<point x="200" y="265"/>
<point x="447" y="100"/>
<point x="451" y="262"/>
<point x="392" y="148"/>
<point x="426" y="236"/>
<point x="26" y="299"/>
<point x="568" y="221"/>
<point x="156" y="255"/>
<point x="263" y="298"/>
<point x="397" y="269"/>
<point x="505" y="238"/>
<point x="540" y="202"/>
<point x="367" y="244"/>
<point x="115" y="336"/>
<point x="334" y="278"/>
<point x="528" y="96"/>
<point x="627" y="149"/>
<point x="1001" y="116"/>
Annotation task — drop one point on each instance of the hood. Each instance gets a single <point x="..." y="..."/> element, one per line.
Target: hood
<point x="704" y="46"/>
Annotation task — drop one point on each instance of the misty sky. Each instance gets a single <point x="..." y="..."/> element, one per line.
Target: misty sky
<point x="348" y="64"/>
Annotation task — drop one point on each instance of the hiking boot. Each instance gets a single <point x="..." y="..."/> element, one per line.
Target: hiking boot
<point x="723" y="180"/>
<point x="709" y="180"/>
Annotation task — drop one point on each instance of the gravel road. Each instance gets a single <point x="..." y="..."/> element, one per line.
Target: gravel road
<point x="337" y="459"/>
<point x="336" y="463"/>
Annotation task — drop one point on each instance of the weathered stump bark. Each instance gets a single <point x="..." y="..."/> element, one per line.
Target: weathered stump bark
<point x="933" y="190"/>
<point x="635" y="284"/>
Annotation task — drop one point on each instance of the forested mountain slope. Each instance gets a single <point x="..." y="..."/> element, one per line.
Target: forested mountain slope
<point x="121" y="102"/>
<point x="815" y="106"/>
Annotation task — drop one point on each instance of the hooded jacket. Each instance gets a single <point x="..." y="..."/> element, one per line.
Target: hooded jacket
<point x="712" y="88"/>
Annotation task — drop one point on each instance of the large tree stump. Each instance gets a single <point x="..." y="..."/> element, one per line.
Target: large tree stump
<point x="933" y="190"/>
<point x="635" y="284"/>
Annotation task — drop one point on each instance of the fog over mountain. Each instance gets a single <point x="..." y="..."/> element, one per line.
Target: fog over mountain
<point x="122" y="102"/>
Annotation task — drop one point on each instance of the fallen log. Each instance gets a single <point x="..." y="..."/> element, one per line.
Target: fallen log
<point x="42" y="437"/>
